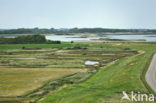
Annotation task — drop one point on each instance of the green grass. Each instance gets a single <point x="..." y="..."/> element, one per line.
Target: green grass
<point x="63" y="45"/>
<point x="18" y="81"/>
<point x="48" y="63"/>
<point x="54" y="58"/>
<point x="143" y="74"/>
<point x="19" y="46"/>
<point x="7" y="102"/>
<point x="108" y="83"/>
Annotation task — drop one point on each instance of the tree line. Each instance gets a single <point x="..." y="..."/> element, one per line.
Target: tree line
<point x="72" y="30"/>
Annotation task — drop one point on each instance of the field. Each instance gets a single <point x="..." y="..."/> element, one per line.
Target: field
<point x="17" y="81"/>
<point x="107" y="84"/>
<point x="43" y="46"/>
<point x="35" y="74"/>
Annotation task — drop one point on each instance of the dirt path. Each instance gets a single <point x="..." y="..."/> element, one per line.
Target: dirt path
<point x="151" y="74"/>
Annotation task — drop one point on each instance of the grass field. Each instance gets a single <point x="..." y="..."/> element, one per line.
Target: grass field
<point x="42" y="46"/>
<point x="107" y="85"/>
<point x="57" y="60"/>
<point x="18" y="81"/>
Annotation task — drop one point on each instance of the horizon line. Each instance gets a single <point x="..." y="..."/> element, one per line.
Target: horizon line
<point x="76" y="27"/>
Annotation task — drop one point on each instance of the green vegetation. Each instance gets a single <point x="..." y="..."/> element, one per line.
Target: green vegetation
<point x="41" y="46"/>
<point x="35" y="67"/>
<point x="122" y="68"/>
<point x="18" y="81"/>
<point x="71" y="57"/>
<point x="143" y="74"/>
<point x="107" y="84"/>
<point x="27" y="39"/>
<point x="8" y="102"/>
<point x="27" y="31"/>
<point x="73" y="30"/>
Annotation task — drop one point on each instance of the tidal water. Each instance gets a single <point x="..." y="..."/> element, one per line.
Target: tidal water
<point x="147" y="37"/>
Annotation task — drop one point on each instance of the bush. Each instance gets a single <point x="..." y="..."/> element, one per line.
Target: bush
<point x="53" y="42"/>
<point x="30" y="39"/>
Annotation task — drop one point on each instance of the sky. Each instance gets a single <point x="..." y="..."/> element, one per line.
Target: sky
<point x="126" y="14"/>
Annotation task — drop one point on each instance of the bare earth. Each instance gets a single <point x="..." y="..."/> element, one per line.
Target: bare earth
<point x="151" y="74"/>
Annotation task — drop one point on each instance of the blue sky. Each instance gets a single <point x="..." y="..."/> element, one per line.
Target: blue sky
<point x="78" y="13"/>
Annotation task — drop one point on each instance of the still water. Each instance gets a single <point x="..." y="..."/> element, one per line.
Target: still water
<point x="147" y="37"/>
<point x="91" y="62"/>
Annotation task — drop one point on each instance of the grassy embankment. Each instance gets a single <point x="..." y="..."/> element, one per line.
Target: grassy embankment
<point x="108" y="83"/>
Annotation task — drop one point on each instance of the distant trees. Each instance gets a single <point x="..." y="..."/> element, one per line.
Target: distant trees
<point x="152" y="31"/>
<point x="99" y="30"/>
<point x="30" y="39"/>
<point x="27" y="39"/>
<point x="69" y="31"/>
<point x="28" y="31"/>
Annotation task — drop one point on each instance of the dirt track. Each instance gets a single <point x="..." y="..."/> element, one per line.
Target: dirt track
<point x="151" y="74"/>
